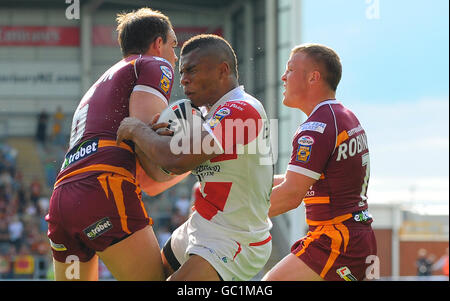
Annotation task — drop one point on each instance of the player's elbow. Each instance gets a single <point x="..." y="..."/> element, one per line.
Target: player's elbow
<point x="293" y="199"/>
<point x="284" y="201"/>
<point x="285" y="207"/>
<point x="295" y="202"/>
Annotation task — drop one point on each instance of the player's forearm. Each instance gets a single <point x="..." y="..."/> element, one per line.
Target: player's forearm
<point x="155" y="147"/>
<point x="153" y="188"/>
<point x="283" y="199"/>
<point x="151" y="169"/>
<point x="158" y="149"/>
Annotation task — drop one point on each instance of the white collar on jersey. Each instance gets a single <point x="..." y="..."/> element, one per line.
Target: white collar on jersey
<point x="325" y="102"/>
<point x="236" y="93"/>
<point x="158" y="58"/>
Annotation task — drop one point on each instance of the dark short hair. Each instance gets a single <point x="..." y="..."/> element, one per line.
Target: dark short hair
<point x="219" y="45"/>
<point x="138" y="29"/>
<point x="327" y="58"/>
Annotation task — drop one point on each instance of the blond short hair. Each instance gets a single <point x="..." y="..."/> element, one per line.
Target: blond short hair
<point x="325" y="57"/>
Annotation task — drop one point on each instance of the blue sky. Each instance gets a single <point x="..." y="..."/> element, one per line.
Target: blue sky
<point x="395" y="56"/>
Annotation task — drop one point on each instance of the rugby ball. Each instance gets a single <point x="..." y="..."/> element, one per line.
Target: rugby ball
<point x="184" y="119"/>
<point x="181" y="116"/>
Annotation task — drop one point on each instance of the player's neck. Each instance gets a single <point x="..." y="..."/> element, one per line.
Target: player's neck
<point x="317" y="98"/>
<point x="227" y="87"/>
<point x="231" y="86"/>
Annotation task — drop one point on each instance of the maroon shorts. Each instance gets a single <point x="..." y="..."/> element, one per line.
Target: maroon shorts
<point x="337" y="251"/>
<point x="92" y="214"/>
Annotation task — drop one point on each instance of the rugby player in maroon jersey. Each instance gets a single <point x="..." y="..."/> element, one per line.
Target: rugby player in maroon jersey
<point x="328" y="172"/>
<point x="96" y="208"/>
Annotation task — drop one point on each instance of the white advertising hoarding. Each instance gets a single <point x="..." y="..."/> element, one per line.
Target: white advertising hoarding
<point x="40" y="79"/>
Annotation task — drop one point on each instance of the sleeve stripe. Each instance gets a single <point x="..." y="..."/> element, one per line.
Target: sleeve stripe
<point x="150" y="90"/>
<point x="303" y="171"/>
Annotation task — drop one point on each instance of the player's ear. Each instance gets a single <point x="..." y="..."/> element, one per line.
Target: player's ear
<point x="314" y="77"/>
<point x="156" y="47"/>
<point x="224" y="69"/>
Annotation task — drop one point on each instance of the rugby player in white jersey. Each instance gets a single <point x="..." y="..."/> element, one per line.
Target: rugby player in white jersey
<point x="227" y="237"/>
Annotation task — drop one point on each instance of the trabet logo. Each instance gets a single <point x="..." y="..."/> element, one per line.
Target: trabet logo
<point x="98" y="228"/>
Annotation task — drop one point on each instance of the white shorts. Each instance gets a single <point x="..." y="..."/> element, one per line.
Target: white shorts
<point x="233" y="261"/>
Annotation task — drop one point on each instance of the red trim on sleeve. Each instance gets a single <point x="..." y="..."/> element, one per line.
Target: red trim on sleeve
<point x="236" y="122"/>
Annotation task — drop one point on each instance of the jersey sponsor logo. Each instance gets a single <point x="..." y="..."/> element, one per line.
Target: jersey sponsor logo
<point x="354" y="146"/>
<point x="98" y="228"/>
<point x="304" y="148"/>
<point x="314" y="126"/>
<point x="166" y="71"/>
<point x="218" y="116"/>
<point x="306" y="140"/>
<point x="79" y="152"/>
<point x="346" y="274"/>
<point x="355" y="130"/>
<point x="309" y="193"/>
<point x="235" y="106"/>
<point x="362" y="216"/>
<point x="203" y="171"/>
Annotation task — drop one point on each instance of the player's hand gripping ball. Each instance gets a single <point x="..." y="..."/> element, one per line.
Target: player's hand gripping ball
<point x="184" y="119"/>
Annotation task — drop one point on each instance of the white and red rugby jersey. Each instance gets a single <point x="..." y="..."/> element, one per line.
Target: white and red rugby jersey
<point x="236" y="185"/>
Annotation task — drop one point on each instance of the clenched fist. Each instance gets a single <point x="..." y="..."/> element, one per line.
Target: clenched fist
<point x="127" y="128"/>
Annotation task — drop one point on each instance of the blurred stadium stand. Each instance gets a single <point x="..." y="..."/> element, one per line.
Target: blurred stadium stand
<point x="48" y="61"/>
